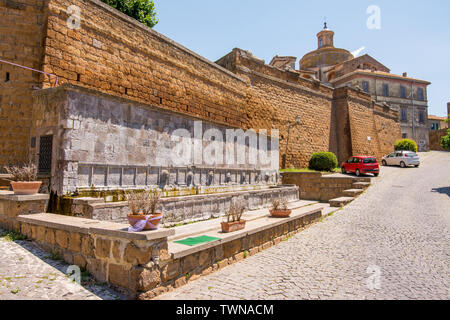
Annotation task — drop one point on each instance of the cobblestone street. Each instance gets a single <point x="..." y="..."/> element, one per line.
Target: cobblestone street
<point x="29" y="273"/>
<point x="398" y="229"/>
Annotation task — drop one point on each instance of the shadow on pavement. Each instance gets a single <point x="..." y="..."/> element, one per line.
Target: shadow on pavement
<point x="444" y="190"/>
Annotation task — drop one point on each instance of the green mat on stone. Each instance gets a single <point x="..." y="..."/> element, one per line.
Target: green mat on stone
<point x="196" y="241"/>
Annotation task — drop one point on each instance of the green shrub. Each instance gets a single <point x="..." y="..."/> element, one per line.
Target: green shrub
<point x="323" y="161"/>
<point x="445" y="141"/>
<point x="406" y="145"/>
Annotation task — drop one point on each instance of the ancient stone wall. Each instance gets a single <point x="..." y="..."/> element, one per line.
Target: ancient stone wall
<point x="373" y="128"/>
<point x="22" y="28"/>
<point x="274" y="100"/>
<point x="116" y="54"/>
<point x="105" y="141"/>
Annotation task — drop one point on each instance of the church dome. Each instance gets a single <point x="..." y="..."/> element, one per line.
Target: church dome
<point x="326" y="54"/>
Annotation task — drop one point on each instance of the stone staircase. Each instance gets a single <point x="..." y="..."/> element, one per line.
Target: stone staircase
<point x="351" y="194"/>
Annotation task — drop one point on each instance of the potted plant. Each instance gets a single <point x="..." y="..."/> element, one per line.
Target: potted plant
<point x="143" y="207"/>
<point x="234" y="220"/>
<point x="24" y="179"/>
<point x="280" y="209"/>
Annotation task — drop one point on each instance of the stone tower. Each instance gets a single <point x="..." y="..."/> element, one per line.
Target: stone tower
<point x="325" y="38"/>
<point x="325" y="55"/>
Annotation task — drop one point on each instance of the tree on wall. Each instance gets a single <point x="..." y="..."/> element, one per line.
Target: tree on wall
<point x="142" y="10"/>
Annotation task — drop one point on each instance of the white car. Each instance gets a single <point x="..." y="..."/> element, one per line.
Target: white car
<point x="401" y="158"/>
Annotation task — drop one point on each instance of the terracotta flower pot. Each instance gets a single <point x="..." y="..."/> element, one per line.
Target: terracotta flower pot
<point x="233" y="226"/>
<point x="152" y="223"/>
<point x="25" y="187"/>
<point x="280" y="213"/>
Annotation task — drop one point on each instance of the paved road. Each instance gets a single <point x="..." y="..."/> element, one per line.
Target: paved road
<point x="391" y="243"/>
<point x="28" y="273"/>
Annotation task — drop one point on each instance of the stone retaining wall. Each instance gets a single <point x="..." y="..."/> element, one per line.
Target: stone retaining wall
<point x="185" y="209"/>
<point x="318" y="186"/>
<point x="11" y="206"/>
<point x="127" y="261"/>
<point x="138" y="264"/>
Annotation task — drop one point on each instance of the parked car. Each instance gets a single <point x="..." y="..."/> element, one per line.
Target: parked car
<point x="402" y="159"/>
<point x="361" y="165"/>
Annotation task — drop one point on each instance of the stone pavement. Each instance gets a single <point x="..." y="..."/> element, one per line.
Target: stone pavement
<point x="28" y="273"/>
<point x="390" y="243"/>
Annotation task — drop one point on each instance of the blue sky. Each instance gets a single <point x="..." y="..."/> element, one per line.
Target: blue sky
<point x="414" y="35"/>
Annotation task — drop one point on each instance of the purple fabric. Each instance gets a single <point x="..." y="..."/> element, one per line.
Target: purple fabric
<point x="140" y="224"/>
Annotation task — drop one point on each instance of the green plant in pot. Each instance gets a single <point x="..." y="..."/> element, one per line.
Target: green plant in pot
<point x="280" y="208"/>
<point x="24" y="179"/>
<point x="144" y="215"/>
<point x="233" y="218"/>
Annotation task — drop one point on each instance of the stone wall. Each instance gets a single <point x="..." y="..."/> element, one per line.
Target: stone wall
<point x="435" y="139"/>
<point x="103" y="141"/>
<point x="126" y="261"/>
<point x="22" y="28"/>
<point x="116" y="54"/>
<point x="140" y="264"/>
<point x="11" y="206"/>
<point x="274" y="100"/>
<point x="320" y="187"/>
<point x="186" y="209"/>
<point x="365" y="128"/>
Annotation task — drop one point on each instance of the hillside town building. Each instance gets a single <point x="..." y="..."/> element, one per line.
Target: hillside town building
<point x="339" y="68"/>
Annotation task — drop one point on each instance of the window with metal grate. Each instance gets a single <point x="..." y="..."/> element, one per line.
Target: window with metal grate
<point x="45" y="154"/>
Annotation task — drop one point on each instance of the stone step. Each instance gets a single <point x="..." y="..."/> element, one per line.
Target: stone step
<point x="353" y="192"/>
<point x="340" y="202"/>
<point x="361" y="185"/>
<point x="328" y="209"/>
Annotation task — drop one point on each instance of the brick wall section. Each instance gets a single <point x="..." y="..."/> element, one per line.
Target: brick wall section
<point x="117" y="55"/>
<point x="366" y="119"/>
<point x="435" y="139"/>
<point x="22" y="23"/>
<point x="274" y="100"/>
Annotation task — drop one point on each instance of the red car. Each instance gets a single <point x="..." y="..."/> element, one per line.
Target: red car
<point x="361" y="165"/>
